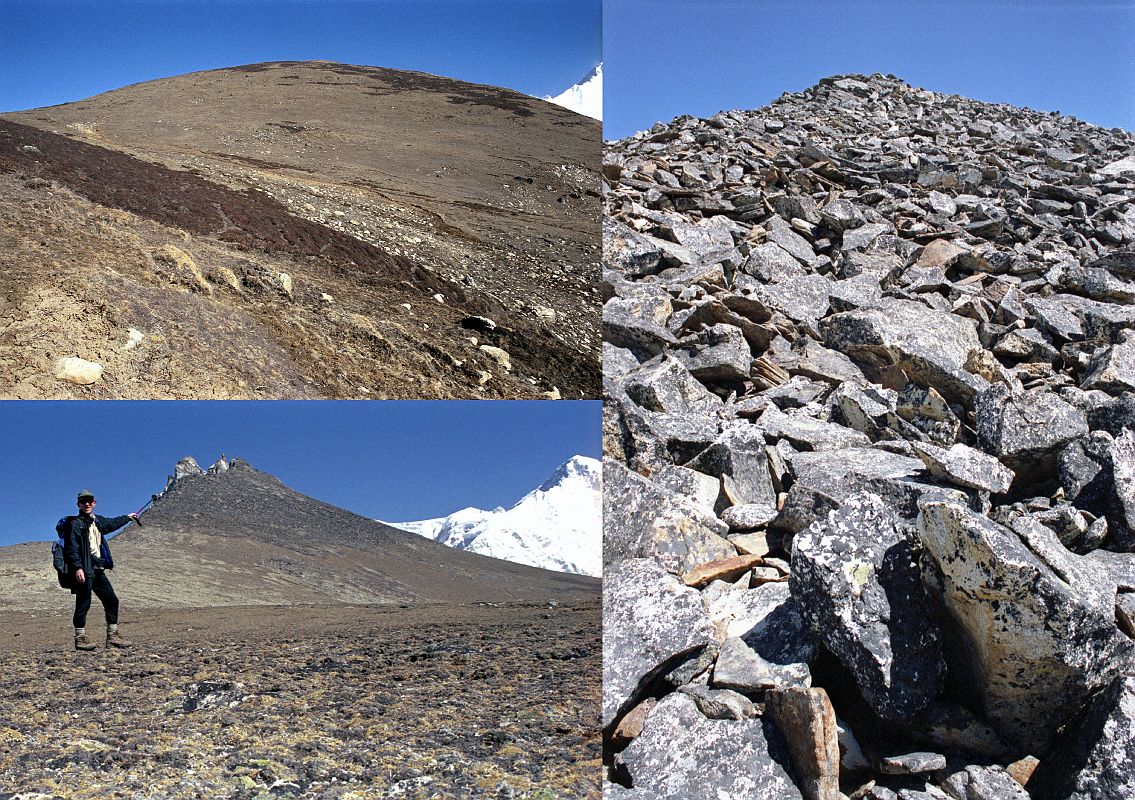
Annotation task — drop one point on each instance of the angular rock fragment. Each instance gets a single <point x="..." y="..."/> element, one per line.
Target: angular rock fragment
<point x="628" y="251"/>
<point x="642" y="519"/>
<point x="965" y="466"/>
<point x="768" y="619"/>
<point x="627" y="324"/>
<point x="932" y="347"/>
<point x="1095" y="758"/>
<point x="741" y="668"/>
<point x="1114" y="368"/>
<point x="853" y="580"/>
<point x="726" y="569"/>
<point x="808" y="722"/>
<point x="668" y="386"/>
<point x="716" y="354"/>
<point x="1040" y="624"/>
<point x="650" y="621"/>
<point x="808" y="433"/>
<point x="738" y="457"/>
<point x="1025" y="431"/>
<point x="911" y="763"/>
<point x="823" y="481"/>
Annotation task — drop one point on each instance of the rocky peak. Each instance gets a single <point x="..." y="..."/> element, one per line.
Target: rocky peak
<point x="188" y="467"/>
<point x="586" y="470"/>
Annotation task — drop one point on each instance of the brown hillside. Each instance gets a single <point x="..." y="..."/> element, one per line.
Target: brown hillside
<point x="241" y="537"/>
<point x="398" y="204"/>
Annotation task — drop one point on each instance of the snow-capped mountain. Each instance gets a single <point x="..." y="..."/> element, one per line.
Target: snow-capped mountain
<point x="586" y="97"/>
<point x="557" y="526"/>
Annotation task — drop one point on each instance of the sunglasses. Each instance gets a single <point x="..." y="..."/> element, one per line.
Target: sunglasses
<point x="86" y="500"/>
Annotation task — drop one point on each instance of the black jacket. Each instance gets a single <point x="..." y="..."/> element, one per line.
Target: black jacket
<point x="76" y="544"/>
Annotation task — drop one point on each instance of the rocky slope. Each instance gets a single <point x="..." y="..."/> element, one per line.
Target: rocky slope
<point x="340" y="703"/>
<point x="870" y="479"/>
<point x="556" y="526"/>
<point x="299" y="229"/>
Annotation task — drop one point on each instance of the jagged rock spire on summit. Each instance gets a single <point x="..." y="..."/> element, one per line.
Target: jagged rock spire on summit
<point x="188" y="467"/>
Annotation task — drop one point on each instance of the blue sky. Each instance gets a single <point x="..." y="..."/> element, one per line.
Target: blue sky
<point x="56" y="51"/>
<point x="663" y="58"/>
<point x="387" y="459"/>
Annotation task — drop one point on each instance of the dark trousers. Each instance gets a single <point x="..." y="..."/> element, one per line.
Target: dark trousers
<point x="100" y="585"/>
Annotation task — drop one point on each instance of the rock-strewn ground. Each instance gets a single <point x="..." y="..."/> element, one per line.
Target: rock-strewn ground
<point x="870" y="486"/>
<point x="305" y="702"/>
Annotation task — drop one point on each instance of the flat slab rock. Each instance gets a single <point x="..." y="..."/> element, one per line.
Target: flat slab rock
<point x="682" y="755"/>
<point x="965" y="466"/>
<point x="856" y="584"/>
<point x="650" y="622"/>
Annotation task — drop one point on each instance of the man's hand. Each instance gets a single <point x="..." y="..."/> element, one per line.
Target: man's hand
<point x="133" y="517"/>
<point x="80" y="576"/>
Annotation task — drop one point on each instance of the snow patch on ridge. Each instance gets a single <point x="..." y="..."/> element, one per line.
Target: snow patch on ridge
<point x="585" y="97"/>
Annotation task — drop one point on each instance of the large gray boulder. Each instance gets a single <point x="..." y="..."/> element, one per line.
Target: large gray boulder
<point x="1026" y="431"/>
<point x="665" y="385"/>
<point x="822" y="482"/>
<point x="932" y="347"/>
<point x="682" y="755"/>
<point x="642" y="519"/>
<point x="856" y="583"/>
<point x="1038" y="621"/>
<point x="651" y="622"/>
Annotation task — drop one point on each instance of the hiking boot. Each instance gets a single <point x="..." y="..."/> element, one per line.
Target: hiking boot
<point x="115" y="640"/>
<point x="83" y="643"/>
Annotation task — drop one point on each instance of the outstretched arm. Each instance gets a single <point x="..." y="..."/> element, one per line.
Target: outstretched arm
<point x="109" y="525"/>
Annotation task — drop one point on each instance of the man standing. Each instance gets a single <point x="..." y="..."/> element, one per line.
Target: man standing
<point x="88" y="557"/>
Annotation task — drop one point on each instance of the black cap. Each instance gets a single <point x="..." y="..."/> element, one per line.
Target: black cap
<point x="85" y="493"/>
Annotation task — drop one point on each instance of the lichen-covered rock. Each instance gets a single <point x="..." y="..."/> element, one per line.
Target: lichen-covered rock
<point x="1095" y="758"/>
<point x="667" y="386"/>
<point x="738" y="457"/>
<point x="1025" y="431"/>
<point x="1039" y="621"/>
<point x="650" y="622"/>
<point x="965" y="466"/>
<point x="854" y="581"/>
<point x="643" y="519"/>
<point x="682" y="755"/>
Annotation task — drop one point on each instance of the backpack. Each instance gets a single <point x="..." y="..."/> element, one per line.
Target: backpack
<point x="66" y="579"/>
